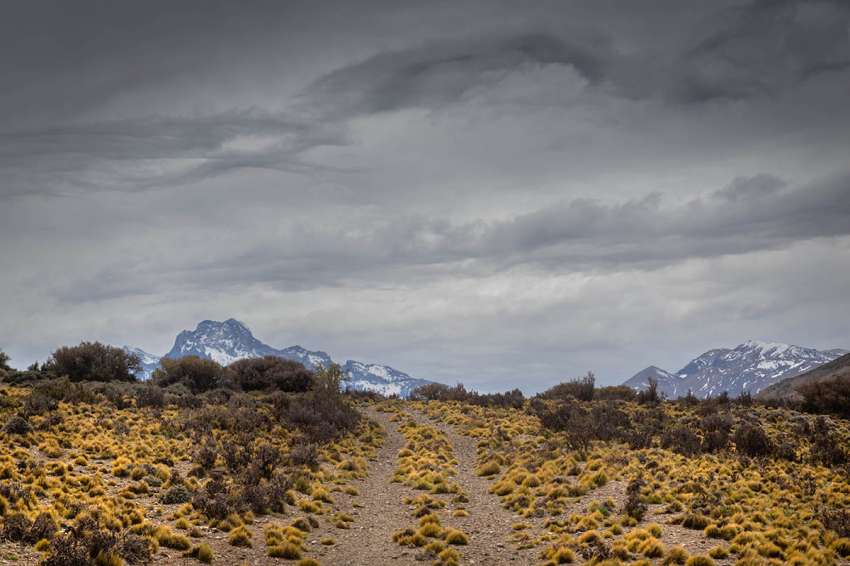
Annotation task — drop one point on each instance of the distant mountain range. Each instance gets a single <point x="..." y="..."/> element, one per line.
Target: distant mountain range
<point x="751" y="366"/>
<point x="228" y="341"/>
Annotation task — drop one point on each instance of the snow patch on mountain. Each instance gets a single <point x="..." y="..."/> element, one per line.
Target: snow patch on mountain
<point x="748" y="367"/>
<point x="149" y="362"/>
<point x="380" y="379"/>
<point x="666" y="381"/>
<point x="229" y="341"/>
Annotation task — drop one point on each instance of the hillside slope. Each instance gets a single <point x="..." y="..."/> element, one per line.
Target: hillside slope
<point x="787" y="388"/>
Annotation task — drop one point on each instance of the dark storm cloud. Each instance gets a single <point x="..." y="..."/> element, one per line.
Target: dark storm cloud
<point x="428" y="76"/>
<point x="760" y="49"/>
<point x="436" y="74"/>
<point x="765" y="47"/>
<point x="62" y="60"/>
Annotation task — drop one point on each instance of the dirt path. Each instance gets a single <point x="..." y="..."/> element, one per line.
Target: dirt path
<point x="369" y="542"/>
<point x="489" y="525"/>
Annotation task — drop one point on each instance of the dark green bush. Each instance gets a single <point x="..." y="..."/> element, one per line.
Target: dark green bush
<point x="196" y="374"/>
<point x="5" y="369"/>
<point x="582" y="388"/>
<point x="176" y="494"/>
<point x="268" y="373"/>
<point x="149" y="395"/>
<point x="831" y="396"/>
<point x="751" y="440"/>
<point x="681" y="439"/>
<point x="716" y="431"/>
<point x="615" y="392"/>
<point x="442" y="392"/>
<point x="93" y="361"/>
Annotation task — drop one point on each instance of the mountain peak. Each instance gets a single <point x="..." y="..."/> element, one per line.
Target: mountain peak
<point x="225" y="342"/>
<point x="149" y="362"/>
<point x="231" y="324"/>
<point x="228" y="341"/>
<point x="775" y="348"/>
<point x="763" y="345"/>
<point x="667" y="382"/>
<point x="748" y="367"/>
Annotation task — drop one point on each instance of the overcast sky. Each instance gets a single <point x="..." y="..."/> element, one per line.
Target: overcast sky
<point x="503" y="193"/>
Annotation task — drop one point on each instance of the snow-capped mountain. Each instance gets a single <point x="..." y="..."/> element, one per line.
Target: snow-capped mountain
<point x="381" y="379"/>
<point x="223" y="342"/>
<point x="666" y="381"/>
<point x="750" y="366"/>
<point x="228" y="341"/>
<point x="149" y="362"/>
<point x="309" y="359"/>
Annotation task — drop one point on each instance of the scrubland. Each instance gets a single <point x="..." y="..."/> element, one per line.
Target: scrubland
<point x="291" y="470"/>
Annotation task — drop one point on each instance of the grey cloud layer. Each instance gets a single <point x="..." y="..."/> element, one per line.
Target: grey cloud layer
<point x="751" y="215"/>
<point x="758" y="51"/>
<point x="462" y="189"/>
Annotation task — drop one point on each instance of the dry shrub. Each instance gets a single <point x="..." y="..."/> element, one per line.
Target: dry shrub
<point x="831" y="396"/>
<point x="835" y="519"/>
<point x="149" y="395"/>
<point x="634" y="506"/>
<point x="17" y="425"/>
<point x="304" y="454"/>
<point x="827" y="447"/>
<point x="751" y="440"/>
<point x="15" y="527"/>
<point x="175" y="494"/>
<point x="716" y="431"/>
<point x="86" y="543"/>
<point x="323" y="413"/>
<point x="681" y="439"/>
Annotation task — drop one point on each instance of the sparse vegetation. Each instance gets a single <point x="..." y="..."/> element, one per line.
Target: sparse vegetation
<point x="107" y="471"/>
<point x="721" y="469"/>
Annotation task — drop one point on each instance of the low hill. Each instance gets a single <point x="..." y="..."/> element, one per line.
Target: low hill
<point x="787" y="388"/>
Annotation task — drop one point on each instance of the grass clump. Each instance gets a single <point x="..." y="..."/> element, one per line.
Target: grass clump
<point x="456" y="537"/>
<point x="287" y="550"/>
<point x="202" y="553"/>
<point x="240" y="536"/>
